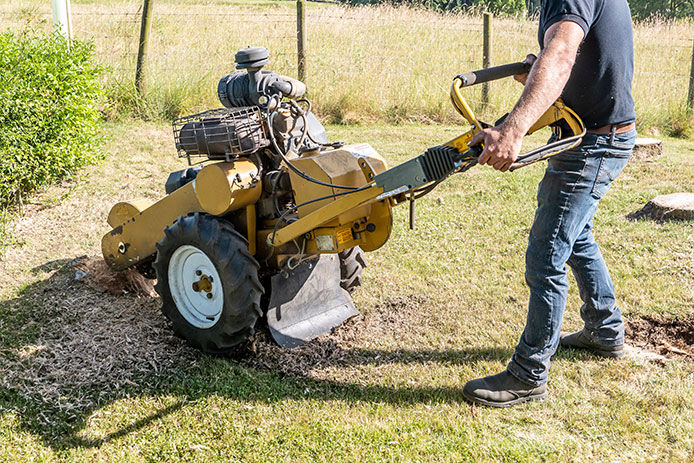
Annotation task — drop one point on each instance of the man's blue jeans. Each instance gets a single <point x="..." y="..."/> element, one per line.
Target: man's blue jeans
<point x="561" y="234"/>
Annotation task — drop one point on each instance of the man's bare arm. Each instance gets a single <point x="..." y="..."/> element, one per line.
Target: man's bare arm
<point x="544" y="85"/>
<point x="548" y="76"/>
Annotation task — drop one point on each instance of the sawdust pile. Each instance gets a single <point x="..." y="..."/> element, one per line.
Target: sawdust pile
<point x="343" y="346"/>
<point x="100" y="332"/>
<point x="669" y="337"/>
<point x="100" y="277"/>
<point x="89" y="341"/>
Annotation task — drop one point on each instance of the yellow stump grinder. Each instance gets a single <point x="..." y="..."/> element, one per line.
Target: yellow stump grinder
<point x="273" y="221"/>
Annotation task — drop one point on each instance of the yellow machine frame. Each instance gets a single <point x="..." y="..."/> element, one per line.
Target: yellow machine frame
<point x="323" y="224"/>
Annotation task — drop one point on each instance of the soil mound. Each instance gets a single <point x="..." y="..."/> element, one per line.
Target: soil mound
<point x="672" y="337"/>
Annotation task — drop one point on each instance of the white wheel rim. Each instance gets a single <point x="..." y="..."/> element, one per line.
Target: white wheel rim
<point x="195" y="286"/>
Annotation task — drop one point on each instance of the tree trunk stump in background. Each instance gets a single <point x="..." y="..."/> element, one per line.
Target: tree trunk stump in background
<point x="675" y="206"/>
<point x="647" y="148"/>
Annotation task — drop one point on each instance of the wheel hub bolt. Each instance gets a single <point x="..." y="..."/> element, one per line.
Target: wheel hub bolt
<point x="209" y="295"/>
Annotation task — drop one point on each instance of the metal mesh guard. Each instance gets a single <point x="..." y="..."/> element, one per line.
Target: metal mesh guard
<point x="220" y="133"/>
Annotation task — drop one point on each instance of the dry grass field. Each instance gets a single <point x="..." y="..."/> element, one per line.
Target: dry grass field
<point x="364" y="64"/>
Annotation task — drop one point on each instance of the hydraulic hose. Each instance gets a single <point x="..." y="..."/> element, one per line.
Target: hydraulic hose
<point x="298" y="172"/>
<point x="314" y="200"/>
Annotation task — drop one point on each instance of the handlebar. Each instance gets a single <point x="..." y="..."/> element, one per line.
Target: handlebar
<point x="493" y="73"/>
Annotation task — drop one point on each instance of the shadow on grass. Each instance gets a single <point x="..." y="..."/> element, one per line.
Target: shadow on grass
<point x="68" y="351"/>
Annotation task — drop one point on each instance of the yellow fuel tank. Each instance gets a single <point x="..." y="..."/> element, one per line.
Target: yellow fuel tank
<point x="218" y="189"/>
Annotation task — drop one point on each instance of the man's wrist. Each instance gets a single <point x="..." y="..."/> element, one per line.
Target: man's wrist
<point x="512" y="129"/>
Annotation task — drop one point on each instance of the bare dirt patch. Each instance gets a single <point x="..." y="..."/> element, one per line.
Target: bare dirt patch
<point x="672" y="337"/>
<point x="342" y="346"/>
<point x="105" y="332"/>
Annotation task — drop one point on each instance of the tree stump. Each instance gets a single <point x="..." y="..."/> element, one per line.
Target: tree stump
<point x="675" y="206"/>
<point x="647" y="148"/>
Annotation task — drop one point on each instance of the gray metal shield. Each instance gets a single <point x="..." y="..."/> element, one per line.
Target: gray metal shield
<point x="308" y="302"/>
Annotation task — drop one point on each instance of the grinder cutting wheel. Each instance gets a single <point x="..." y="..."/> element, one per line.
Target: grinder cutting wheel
<point x="277" y="224"/>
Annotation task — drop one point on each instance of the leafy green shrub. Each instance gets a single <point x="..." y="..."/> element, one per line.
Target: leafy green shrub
<point x="49" y="111"/>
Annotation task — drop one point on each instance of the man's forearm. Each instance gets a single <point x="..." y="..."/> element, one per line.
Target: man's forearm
<point x="545" y="83"/>
<point x="547" y="77"/>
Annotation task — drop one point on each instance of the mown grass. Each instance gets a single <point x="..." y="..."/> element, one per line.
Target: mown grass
<point x="450" y="303"/>
<point x="364" y="63"/>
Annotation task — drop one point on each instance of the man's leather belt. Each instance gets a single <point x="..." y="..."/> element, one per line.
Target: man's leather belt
<point x="607" y="129"/>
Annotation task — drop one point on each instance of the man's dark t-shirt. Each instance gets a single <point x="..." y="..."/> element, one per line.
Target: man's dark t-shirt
<point x="599" y="89"/>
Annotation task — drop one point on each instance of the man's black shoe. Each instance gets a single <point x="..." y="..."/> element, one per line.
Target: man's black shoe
<point x="502" y="390"/>
<point x="582" y="340"/>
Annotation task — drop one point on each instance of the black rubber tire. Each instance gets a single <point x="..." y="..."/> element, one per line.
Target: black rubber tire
<point x="238" y="272"/>
<point x="352" y="263"/>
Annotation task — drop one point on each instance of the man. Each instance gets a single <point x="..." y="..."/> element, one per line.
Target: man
<point x="587" y="59"/>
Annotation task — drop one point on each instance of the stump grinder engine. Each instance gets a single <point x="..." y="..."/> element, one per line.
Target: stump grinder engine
<point x="274" y="220"/>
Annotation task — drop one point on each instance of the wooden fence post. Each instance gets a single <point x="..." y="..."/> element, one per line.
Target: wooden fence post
<point x="690" y="99"/>
<point x="301" y="38"/>
<point x="486" y="53"/>
<point x="145" y="27"/>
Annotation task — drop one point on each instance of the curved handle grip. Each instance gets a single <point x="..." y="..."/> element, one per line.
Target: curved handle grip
<point x="493" y="73"/>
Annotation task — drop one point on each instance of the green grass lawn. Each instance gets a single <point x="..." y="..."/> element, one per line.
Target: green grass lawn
<point x="91" y="377"/>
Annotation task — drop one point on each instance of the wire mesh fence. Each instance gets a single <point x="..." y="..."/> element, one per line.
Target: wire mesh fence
<point x="366" y="62"/>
